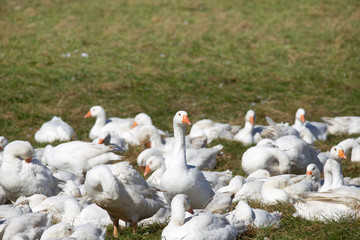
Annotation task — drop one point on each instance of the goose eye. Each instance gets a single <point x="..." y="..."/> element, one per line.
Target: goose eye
<point x="179" y="114"/>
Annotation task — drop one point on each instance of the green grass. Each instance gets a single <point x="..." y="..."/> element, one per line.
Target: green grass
<point x="214" y="59"/>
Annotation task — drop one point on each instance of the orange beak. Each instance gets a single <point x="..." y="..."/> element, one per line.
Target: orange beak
<point x="142" y="168"/>
<point x="252" y="120"/>
<point x="308" y="172"/>
<point x="302" y="118"/>
<point x="341" y="154"/>
<point x="134" y="125"/>
<point x="147" y="170"/>
<point x="186" y="120"/>
<point x="28" y="160"/>
<point x="88" y="115"/>
<point x="148" y="144"/>
<point x="101" y="141"/>
<point x="0" y="148"/>
<point x="191" y="210"/>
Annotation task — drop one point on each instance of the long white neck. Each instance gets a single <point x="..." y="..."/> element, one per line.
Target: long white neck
<point x="248" y="127"/>
<point x="100" y="120"/>
<point x="298" y="122"/>
<point x="179" y="155"/>
<point x="177" y="214"/>
<point x="338" y="179"/>
<point x="99" y="124"/>
<point x="328" y="176"/>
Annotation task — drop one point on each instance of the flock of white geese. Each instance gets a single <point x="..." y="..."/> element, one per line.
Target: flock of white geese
<point x="75" y="189"/>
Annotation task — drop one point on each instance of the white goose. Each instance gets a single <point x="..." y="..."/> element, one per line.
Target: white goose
<point x="333" y="177"/>
<point x="310" y="183"/>
<point x="180" y="177"/>
<point x="213" y="130"/>
<point x="20" y="177"/>
<point x="343" y="125"/>
<point x="253" y="216"/>
<point x="115" y="126"/>
<point x="156" y="163"/>
<point x="78" y="156"/>
<point x="250" y="134"/>
<point x="55" y="129"/>
<point x="351" y="147"/>
<point x="202" y="158"/>
<point x="122" y="192"/>
<point x="334" y="200"/>
<point x="117" y="143"/>
<point x="318" y="129"/>
<point x="27" y="226"/>
<point x="266" y="157"/>
<point x="199" y="226"/>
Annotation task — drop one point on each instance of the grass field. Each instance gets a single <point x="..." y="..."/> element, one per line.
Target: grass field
<point x="214" y="59"/>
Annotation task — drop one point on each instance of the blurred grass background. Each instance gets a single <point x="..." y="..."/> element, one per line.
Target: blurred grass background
<point x="214" y="59"/>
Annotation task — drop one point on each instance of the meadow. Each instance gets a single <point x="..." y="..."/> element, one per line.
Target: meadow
<point x="214" y="59"/>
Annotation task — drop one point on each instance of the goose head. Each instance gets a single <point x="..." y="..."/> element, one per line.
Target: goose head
<point x="145" y="155"/>
<point x="181" y="118"/>
<point x="250" y="117"/>
<point x="21" y="150"/>
<point x="141" y="119"/>
<point x="313" y="171"/>
<point x="300" y="115"/>
<point x="153" y="163"/>
<point x="3" y="142"/>
<point x="337" y="153"/>
<point x="104" y="138"/>
<point x="95" y="111"/>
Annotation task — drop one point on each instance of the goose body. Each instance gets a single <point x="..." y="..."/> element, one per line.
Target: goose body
<point x="180" y="177"/>
<point x="27" y="226"/>
<point x="266" y="157"/>
<point x="199" y="226"/>
<point x="55" y="129"/>
<point x="78" y="156"/>
<point x="343" y="125"/>
<point x="20" y="177"/>
<point x="212" y="130"/>
<point x="122" y="192"/>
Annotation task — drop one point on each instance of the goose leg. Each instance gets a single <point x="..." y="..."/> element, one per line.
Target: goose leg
<point x="134" y="226"/>
<point x="116" y="226"/>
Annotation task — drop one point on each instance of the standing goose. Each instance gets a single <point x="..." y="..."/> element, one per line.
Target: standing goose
<point x="122" y="192"/>
<point x="21" y="177"/>
<point x="180" y="177"/>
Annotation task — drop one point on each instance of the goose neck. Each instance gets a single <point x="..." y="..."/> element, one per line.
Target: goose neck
<point x="338" y="179"/>
<point x="177" y="214"/>
<point x="179" y="154"/>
